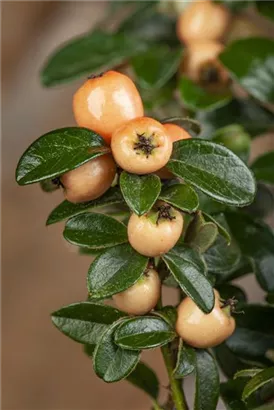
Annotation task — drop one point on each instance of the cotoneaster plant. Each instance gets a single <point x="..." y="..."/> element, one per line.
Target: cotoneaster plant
<point x="160" y="192"/>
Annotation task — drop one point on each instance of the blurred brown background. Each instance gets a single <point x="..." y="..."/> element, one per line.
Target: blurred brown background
<point x="42" y="369"/>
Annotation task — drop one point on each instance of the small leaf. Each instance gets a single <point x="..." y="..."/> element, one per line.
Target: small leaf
<point x="140" y="192"/>
<point x="145" y="379"/>
<point x="258" y="381"/>
<point x="250" y="62"/>
<point x="247" y="373"/>
<point x="188" y="270"/>
<point x="115" y="270"/>
<point x="209" y="205"/>
<point x="90" y="53"/>
<point x="144" y="332"/>
<point x="181" y="196"/>
<point x="221" y="229"/>
<point x="95" y="231"/>
<point x="154" y="68"/>
<point x="84" y="322"/>
<point x="207" y="381"/>
<point x="213" y="169"/>
<point x="195" y="97"/>
<point x="167" y="313"/>
<point x="57" y="152"/>
<point x="191" y="126"/>
<point x="186" y="361"/>
<point x="263" y="168"/>
<point x="110" y="362"/>
<point x="201" y="235"/>
<point x="67" y="209"/>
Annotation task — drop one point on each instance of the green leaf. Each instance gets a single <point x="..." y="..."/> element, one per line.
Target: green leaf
<point x="228" y="291"/>
<point x="270" y="298"/>
<point x="263" y="204"/>
<point x="221" y="229"/>
<point x="181" y="196"/>
<point x="256" y="241"/>
<point x="140" y="192"/>
<point x="145" y="379"/>
<point x="144" y="332"/>
<point x="263" y="168"/>
<point x="228" y="361"/>
<point x="231" y="393"/>
<point x="85" y="322"/>
<point x="167" y="313"/>
<point x="201" y="235"/>
<point x="235" y="138"/>
<point x="154" y="68"/>
<point x="110" y="362"/>
<point x="258" y="381"/>
<point x="195" y="97"/>
<point x="115" y="270"/>
<point x="208" y="205"/>
<point x="247" y="373"/>
<point x="90" y="53"/>
<point x="67" y="209"/>
<point x="191" y="126"/>
<point x="47" y="185"/>
<point x="254" y="118"/>
<point x="250" y="62"/>
<point x="265" y="8"/>
<point x="89" y="350"/>
<point x="207" y="381"/>
<point x="57" y="152"/>
<point x="213" y="169"/>
<point x="95" y="231"/>
<point x="257" y="317"/>
<point x="186" y="361"/>
<point x="188" y="269"/>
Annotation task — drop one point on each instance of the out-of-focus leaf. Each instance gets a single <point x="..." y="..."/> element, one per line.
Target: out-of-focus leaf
<point x="145" y="379"/>
<point x="263" y="168"/>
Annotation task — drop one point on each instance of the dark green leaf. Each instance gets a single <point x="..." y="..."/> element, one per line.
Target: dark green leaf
<point x="228" y="361"/>
<point x="207" y="381"/>
<point x="263" y="168"/>
<point x="140" y="192"/>
<point x="265" y="8"/>
<point x="155" y="100"/>
<point x="67" y="209"/>
<point x="191" y="126"/>
<point x="110" y="362"/>
<point x="256" y="241"/>
<point x="84" y="322"/>
<point x="167" y="313"/>
<point x="145" y="378"/>
<point x="48" y="185"/>
<point x="250" y="61"/>
<point x="214" y="170"/>
<point x="95" y="231"/>
<point x="208" y="205"/>
<point x="195" y="97"/>
<point x="201" y="235"/>
<point x="115" y="270"/>
<point x="223" y="231"/>
<point x="263" y="204"/>
<point x="57" y="152"/>
<point x="188" y="269"/>
<point x="155" y="67"/>
<point x="144" y="332"/>
<point x="247" y="373"/>
<point x="231" y="393"/>
<point x="257" y="317"/>
<point x="89" y="350"/>
<point x="254" y="118"/>
<point x="181" y="196"/>
<point x="186" y="361"/>
<point x="258" y="381"/>
<point x="270" y="298"/>
<point x="228" y="291"/>
<point x="90" y="53"/>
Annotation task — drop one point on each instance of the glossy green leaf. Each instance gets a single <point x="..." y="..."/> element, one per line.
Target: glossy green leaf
<point x="201" y="235"/>
<point x="67" y="209"/>
<point x="188" y="269"/>
<point x="256" y="241"/>
<point x="265" y="8"/>
<point x="207" y="381"/>
<point x="263" y="168"/>
<point x="84" y="322"/>
<point x="258" y="381"/>
<point x="57" y="152"/>
<point x="87" y="54"/>
<point x="193" y="127"/>
<point x="144" y="332"/>
<point x="95" y="231"/>
<point x="247" y="112"/>
<point x="145" y="379"/>
<point x="110" y="362"/>
<point x="231" y="393"/>
<point x="227" y="291"/>
<point x="154" y="68"/>
<point x="195" y="97"/>
<point x="115" y="270"/>
<point x="186" y="361"/>
<point x="140" y="192"/>
<point x="223" y="231"/>
<point x="181" y="196"/>
<point x="247" y="373"/>
<point x="263" y="204"/>
<point x="214" y="170"/>
<point x="250" y="62"/>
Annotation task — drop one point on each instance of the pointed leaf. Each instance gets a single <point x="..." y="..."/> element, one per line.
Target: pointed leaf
<point x="214" y="170"/>
<point x="247" y="373"/>
<point x="144" y="332"/>
<point x="115" y="270"/>
<point x="145" y="379"/>
<point x="189" y="269"/>
<point x="110" y="362"/>
<point x="258" y="381"/>
<point x="186" y="361"/>
<point x="223" y="259"/>
<point x="140" y="192"/>
<point x="263" y="167"/>
<point x="57" y="152"/>
<point x="95" y="231"/>
<point x="181" y="196"/>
